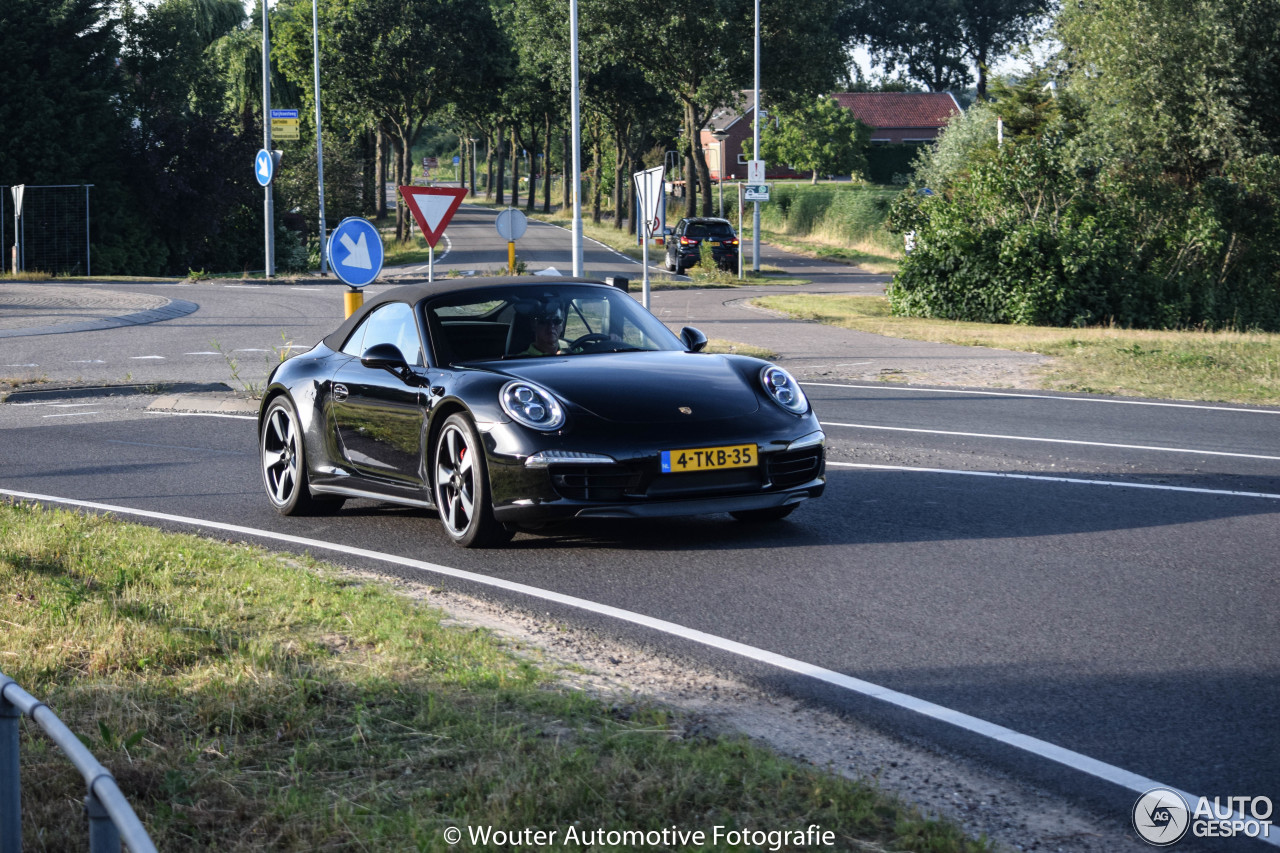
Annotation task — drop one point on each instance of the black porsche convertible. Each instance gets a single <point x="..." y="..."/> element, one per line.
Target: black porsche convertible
<point x="504" y="403"/>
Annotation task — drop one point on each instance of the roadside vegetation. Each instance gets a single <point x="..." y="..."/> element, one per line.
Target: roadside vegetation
<point x="248" y="700"/>
<point x="1235" y="367"/>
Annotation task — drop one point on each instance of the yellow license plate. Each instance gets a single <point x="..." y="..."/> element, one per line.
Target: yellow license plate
<point x="710" y="458"/>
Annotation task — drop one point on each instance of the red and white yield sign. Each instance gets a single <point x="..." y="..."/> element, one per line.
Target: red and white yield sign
<point x="433" y="207"/>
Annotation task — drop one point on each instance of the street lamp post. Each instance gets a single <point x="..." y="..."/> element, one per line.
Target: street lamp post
<point x="720" y="135"/>
<point x="315" y="44"/>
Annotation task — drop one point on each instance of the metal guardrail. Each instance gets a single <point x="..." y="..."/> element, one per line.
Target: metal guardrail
<point x="111" y="819"/>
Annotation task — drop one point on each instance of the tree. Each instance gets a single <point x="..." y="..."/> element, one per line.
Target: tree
<point x="931" y="39"/>
<point x="400" y="60"/>
<point x="823" y="137"/>
<point x="922" y="41"/>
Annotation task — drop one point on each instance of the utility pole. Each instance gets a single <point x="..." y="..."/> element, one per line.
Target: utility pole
<point x="268" y="210"/>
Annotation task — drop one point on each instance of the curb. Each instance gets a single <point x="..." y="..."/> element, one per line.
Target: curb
<point x="214" y="403"/>
<point x="42" y="395"/>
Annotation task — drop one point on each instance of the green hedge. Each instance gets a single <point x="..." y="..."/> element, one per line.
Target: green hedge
<point x="847" y="212"/>
<point x="1027" y="238"/>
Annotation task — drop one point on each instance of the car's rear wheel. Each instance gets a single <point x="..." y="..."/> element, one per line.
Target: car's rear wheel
<point x="462" y="486"/>
<point x="757" y="516"/>
<point x="284" y="463"/>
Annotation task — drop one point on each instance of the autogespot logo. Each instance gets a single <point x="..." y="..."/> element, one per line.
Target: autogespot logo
<point x="1161" y="817"/>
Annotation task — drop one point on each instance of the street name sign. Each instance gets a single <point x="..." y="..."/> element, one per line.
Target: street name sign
<point x="284" y="124"/>
<point x="432" y="208"/>
<point x="355" y="252"/>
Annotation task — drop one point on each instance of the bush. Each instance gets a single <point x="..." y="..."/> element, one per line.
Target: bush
<point x="1026" y="236"/>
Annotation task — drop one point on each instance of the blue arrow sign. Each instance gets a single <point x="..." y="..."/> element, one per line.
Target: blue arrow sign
<point x="264" y="167"/>
<point x="355" y="251"/>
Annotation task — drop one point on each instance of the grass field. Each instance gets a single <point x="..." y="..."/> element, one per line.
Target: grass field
<point x="246" y="700"/>
<point x="1236" y="367"/>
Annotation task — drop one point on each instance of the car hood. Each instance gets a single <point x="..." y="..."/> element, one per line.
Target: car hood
<point x="646" y="387"/>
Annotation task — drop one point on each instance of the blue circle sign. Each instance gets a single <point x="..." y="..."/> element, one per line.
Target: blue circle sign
<point x="355" y="251"/>
<point x="264" y="167"/>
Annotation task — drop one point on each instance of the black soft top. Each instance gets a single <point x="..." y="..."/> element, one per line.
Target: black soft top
<point x="415" y="293"/>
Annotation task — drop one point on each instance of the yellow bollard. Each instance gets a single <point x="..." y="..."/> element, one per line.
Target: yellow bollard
<point x="511" y="257"/>
<point x="352" y="300"/>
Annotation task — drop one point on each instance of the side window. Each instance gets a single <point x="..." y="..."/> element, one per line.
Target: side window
<point x="393" y="323"/>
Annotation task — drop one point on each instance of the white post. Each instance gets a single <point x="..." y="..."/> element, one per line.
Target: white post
<point x="577" y="139"/>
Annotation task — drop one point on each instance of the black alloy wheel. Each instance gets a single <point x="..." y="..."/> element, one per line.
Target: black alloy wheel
<point x="284" y="465"/>
<point x="462" y="486"/>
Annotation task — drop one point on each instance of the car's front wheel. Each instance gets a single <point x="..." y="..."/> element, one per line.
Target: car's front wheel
<point x="462" y="486"/>
<point x="284" y="463"/>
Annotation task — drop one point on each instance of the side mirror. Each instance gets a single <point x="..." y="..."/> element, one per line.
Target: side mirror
<point x="385" y="356"/>
<point x="667" y="232"/>
<point x="694" y="341"/>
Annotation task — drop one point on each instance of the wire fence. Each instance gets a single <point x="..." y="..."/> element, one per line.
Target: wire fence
<point x="50" y="228"/>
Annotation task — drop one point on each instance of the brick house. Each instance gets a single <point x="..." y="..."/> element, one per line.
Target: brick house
<point x="892" y="116"/>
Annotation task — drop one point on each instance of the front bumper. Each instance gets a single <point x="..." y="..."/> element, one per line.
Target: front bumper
<point x="605" y="485"/>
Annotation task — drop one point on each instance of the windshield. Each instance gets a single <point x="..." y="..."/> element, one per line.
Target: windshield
<point x="715" y="230"/>
<point x="529" y="321"/>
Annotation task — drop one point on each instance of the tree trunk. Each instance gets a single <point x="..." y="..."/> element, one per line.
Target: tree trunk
<point x="515" y="169"/>
<point x="488" y="167"/>
<point x="531" y="197"/>
<point x="546" y="165"/>
<point x="619" y="187"/>
<point x="380" y="179"/>
<point x="501" y="156"/>
<point x="597" y="171"/>
<point x="567" y="189"/>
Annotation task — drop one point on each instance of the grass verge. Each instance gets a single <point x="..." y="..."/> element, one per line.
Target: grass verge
<point x="246" y="700"/>
<point x="1235" y="367"/>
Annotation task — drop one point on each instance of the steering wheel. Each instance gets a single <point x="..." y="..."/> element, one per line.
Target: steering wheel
<point x="581" y="343"/>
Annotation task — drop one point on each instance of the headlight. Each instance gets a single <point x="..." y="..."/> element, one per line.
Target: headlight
<point x="532" y="406"/>
<point x="784" y="390"/>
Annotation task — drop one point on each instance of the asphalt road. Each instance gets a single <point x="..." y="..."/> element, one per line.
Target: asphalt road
<point x="1097" y="574"/>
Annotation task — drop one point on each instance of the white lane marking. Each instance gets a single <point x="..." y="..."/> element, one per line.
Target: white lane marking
<point x="1051" y="479"/>
<point x="1192" y="451"/>
<point x="243" y="286"/>
<point x="307" y="288"/>
<point x="71" y="414"/>
<point x="1043" y="749"/>
<point x="147" y="357"/>
<point x="1203" y="407"/>
<point x="89" y="361"/>
<point x="206" y="352"/>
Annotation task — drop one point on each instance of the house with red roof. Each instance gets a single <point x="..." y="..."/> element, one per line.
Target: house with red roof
<point x="911" y="117"/>
<point x="901" y="116"/>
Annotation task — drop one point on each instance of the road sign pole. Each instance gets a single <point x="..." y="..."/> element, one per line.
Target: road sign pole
<point x="645" y="279"/>
<point x="740" y="271"/>
<point x="315" y="49"/>
<point x="755" y="152"/>
<point x="268" y="211"/>
<point x="431" y="262"/>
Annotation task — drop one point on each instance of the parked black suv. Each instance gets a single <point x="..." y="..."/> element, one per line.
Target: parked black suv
<point x="685" y="243"/>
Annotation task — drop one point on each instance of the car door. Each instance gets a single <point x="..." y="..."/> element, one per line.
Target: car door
<point x="378" y="415"/>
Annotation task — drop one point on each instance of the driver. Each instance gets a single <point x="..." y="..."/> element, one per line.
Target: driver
<point x="548" y="325"/>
